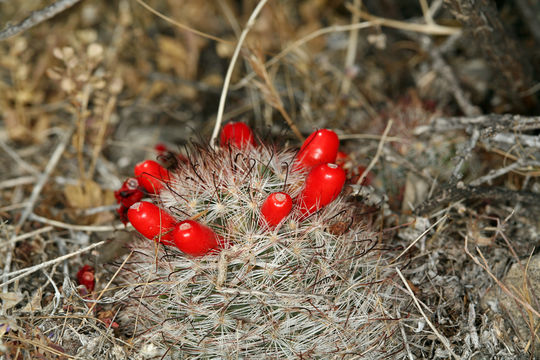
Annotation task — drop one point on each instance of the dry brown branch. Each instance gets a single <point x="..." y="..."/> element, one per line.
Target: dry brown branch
<point x="487" y="124"/>
<point x="178" y="24"/>
<point x="377" y="154"/>
<point x="27" y="271"/>
<point x="441" y="66"/>
<point x="37" y="17"/>
<point x="503" y="287"/>
<point x="512" y="139"/>
<point x="511" y="69"/>
<point x="443" y="339"/>
<point x="228" y="76"/>
<point x="269" y="91"/>
<point x="55" y="157"/>
<point x="93" y="228"/>
<point x="453" y="194"/>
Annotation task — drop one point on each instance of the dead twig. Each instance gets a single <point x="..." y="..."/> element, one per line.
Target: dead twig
<point x="270" y="93"/>
<point x="444" y="340"/>
<point x="26" y="236"/>
<point x="512" y="139"/>
<point x="92" y="228"/>
<point x="37" y="17"/>
<point x="487" y="124"/>
<point x="464" y="154"/>
<point x="441" y="66"/>
<point x="228" y="76"/>
<point x="377" y="154"/>
<point x="499" y="283"/>
<point x="511" y="68"/>
<point x="459" y="192"/>
<point x="51" y="165"/>
<point x="29" y="270"/>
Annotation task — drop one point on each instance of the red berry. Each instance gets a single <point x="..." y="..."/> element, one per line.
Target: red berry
<point x="194" y="239"/>
<point x="85" y="276"/>
<point x="161" y="148"/>
<point x="151" y="175"/>
<point x="129" y="193"/>
<point x="323" y="184"/>
<point x="87" y="279"/>
<point x="320" y="147"/>
<point x="152" y="222"/>
<point x="237" y="134"/>
<point x="276" y="207"/>
<point x="342" y="158"/>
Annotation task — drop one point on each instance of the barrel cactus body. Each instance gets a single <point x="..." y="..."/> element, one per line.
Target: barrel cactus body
<point x="316" y="286"/>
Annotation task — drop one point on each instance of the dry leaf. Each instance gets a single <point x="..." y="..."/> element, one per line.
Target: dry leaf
<point x="10" y="299"/>
<point x="84" y="196"/>
<point x="35" y="303"/>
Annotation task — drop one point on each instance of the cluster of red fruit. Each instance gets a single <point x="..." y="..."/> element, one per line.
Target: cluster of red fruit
<point x="323" y="183"/>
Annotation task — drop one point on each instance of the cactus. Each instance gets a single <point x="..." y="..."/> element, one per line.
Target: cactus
<point x="311" y="287"/>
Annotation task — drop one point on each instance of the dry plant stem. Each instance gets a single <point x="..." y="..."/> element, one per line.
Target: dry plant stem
<point x="91" y="228"/>
<point x="453" y="194"/>
<point x="378" y="153"/>
<point x="36" y="18"/>
<point x="351" y="49"/>
<point x="12" y="154"/>
<point x="227" y="81"/>
<point x="512" y="139"/>
<point x="430" y="29"/>
<point x="488" y="124"/>
<point x="55" y="157"/>
<point x="40" y="345"/>
<point x="404" y="334"/>
<point x="465" y="153"/>
<point x="180" y="25"/>
<point x="108" y="284"/>
<point x="370" y="137"/>
<point x="29" y="270"/>
<point x="499" y="283"/>
<point x="496" y="173"/>
<point x="444" y="340"/>
<point x="440" y="65"/>
<point x="510" y="65"/>
<point x="421" y="236"/>
<point x="23" y="180"/>
<point x="26" y="236"/>
<point x="270" y="93"/>
<point x="101" y="135"/>
<point x="14" y="206"/>
<point x="323" y="31"/>
<point x="425" y="11"/>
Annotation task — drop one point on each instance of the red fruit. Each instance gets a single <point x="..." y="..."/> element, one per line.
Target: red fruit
<point x="194" y="239"/>
<point x="161" y="148"/>
<point x="342" y="158"/>
<point x="276" y="207"/>
<point x="129" y="193"/>
<point x="85" y="276"/>
<point x="320" y="147"/>
<point x="152" y="222"/>
<point x="151" y="175"/>
<point x="237" y="134"/>
<point x="323" y="184"/>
